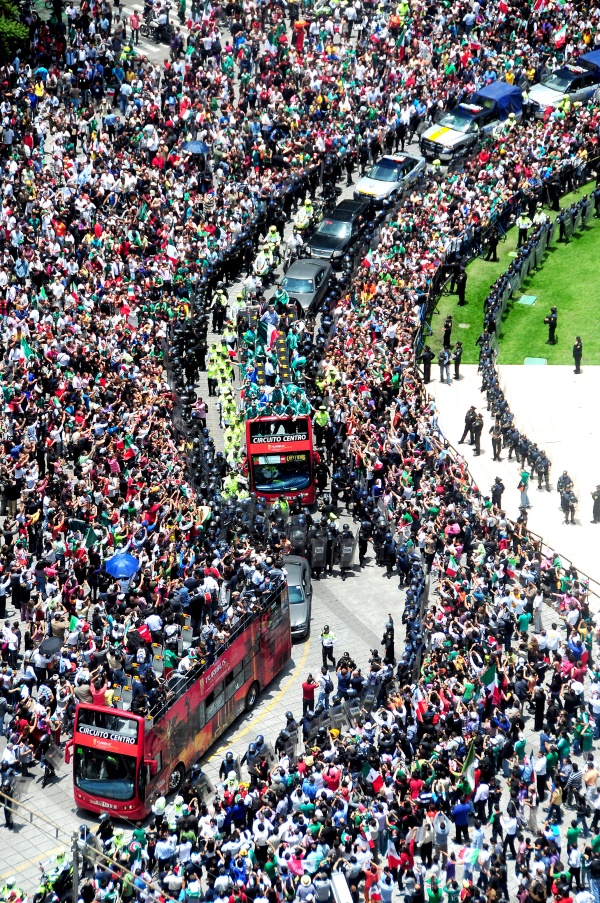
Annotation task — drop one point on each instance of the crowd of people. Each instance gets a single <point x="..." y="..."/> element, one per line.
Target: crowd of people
<point x="113" y="237"/>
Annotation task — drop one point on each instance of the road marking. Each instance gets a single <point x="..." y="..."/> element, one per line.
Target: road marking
<point x="255" y="721"/>
<point x="30" y="862"/>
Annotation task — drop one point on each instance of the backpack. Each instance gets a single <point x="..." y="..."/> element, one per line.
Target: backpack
<point x="328" y="685"/>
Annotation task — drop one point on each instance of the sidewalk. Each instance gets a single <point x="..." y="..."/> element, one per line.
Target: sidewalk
<point x="556" y="409"/>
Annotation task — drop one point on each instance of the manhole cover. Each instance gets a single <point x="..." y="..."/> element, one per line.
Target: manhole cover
<point x="464" y="325"/>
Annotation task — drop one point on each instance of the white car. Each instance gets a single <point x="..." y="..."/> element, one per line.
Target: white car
<point x="390" y="175"/>
<point x="572" y="82"/>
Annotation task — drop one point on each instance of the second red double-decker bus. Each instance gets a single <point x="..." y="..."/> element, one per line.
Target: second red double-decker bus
<point x="281" y="457"/>
<point x="123" y="762"/>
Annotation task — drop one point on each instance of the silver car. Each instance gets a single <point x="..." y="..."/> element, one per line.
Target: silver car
<point x="300" y="590"/>
<point x="306" y="282"/>
<point x="390" y="176"/>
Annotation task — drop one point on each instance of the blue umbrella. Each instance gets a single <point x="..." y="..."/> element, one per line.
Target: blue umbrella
<point x="196" y="147"/>
<point x="122" y="565"/>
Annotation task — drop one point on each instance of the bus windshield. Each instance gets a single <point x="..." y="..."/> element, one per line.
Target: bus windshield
<point x="280" y="473"/>
<point x="105" y="774"/>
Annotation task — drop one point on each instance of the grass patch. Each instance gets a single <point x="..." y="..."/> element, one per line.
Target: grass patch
<point x="567" y="278"/>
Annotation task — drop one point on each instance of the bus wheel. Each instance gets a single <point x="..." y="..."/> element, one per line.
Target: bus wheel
<point x="176" y="779"/>
<point x="252" y="696"/>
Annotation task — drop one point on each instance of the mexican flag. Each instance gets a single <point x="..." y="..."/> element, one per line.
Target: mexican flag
<point x="26" y="348"/>
<point x="419" y="703"/>
<point x="91" y="538"/>
<point x="559" y="37"/>
<point x="502" y="7"/>
<point x="172" y="253"/>
<point x="266" y="335"/>
<point x="73" y="623"/>
<point x="452" y="567"/>
<point x="468" y="769"/>
<point x="489" y="679"/>
<point x="511" y="565"/>
<point x="372" y="777"/>
<point x="392" y="855"/>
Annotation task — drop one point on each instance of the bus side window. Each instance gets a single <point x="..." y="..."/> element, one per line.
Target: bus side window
<point x="215" y="701"/>
<point x="248" y="669"/>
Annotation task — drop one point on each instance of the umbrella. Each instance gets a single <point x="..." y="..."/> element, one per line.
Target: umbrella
<point x="196" y="147"/>
<point x="122" y="565"/>
<point x="50" y="646"/>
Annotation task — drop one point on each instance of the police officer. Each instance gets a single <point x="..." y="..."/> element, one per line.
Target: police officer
<point x="564" y="482"/>
<point x="497" y="490"/>
<point x="227" y="765"/>
<point x="252" y="761"/>
<point x="456" y="358"/>
<point x="328" y="640"/>
<point x="364" y="534"/>
<point x="346" y="538"/>
<point x="542" y="468"/>
<point x="379" y="531"/>
<point x="469" y="421"/>
<point x="461" y="286"/>
<point x="7" y="788"/>
<point x="561" y="219"/>
<point x="568" y="502"/>
<point x="321" y="419"/>
<point x="596" y="511"/>
<point x="523" y="225"/>
<point x="427" y="356"/>
<point x="447" y="332"/>
<point x="596" y="200"/>
<point x="219" y="307"/>
<point x="389" y="555"/>
<point x="551" y="322"/>
<point x="577" y="354"/>
<point x="492" y="251"/>
<point x="496" y="434"/>
<point x="388" y="642"/>
<point x="477" y="431"/>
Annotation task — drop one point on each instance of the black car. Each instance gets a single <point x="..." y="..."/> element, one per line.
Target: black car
<point x="339" y="231"/>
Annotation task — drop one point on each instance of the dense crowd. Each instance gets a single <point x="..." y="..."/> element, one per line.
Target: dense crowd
<point x="113" y="239"/>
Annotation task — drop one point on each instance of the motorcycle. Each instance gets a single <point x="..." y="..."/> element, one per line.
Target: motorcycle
<point x="263" y="265"/>
<point x="57" y="878"/>
<point x="294" y="250"/>
<point x="308" y="217"/>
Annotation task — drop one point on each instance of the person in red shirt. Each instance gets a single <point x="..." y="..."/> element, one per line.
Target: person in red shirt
<point x="308" y="694"/>
<point x="98" y="691"/>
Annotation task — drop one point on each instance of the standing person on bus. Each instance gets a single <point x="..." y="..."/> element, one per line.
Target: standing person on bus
<point x="327" y="642"/>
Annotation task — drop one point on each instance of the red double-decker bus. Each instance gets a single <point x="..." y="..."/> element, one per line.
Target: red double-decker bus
<point x="123" y="762"/>
<point x="281" y="457"/>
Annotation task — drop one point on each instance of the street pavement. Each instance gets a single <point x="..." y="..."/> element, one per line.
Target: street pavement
<point x="554" y="407"/>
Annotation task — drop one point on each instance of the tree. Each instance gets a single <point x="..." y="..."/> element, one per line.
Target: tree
<point x="12" y="31"/>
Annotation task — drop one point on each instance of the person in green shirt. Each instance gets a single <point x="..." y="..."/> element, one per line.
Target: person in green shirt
<point x="523" y="622"/>
<point x="563" y="747"/>
<point x="468" y="690"/>
<point x="573" y="832"/>
<point x="139" y="834"/>
<point x="520" y="749"/>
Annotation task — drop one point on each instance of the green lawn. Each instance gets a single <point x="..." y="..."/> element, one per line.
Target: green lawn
<point x="568" y="278"/>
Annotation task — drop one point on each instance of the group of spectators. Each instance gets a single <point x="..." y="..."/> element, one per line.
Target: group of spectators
<point x="107" y="229"/>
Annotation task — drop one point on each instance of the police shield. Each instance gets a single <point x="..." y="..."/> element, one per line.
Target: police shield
<point x="297" y="532"/>
<point x="347" y="548"/>
<point x="318" y="549"/>
<point x="12" y="792"/>
<point x="54" y="756"/>
<point x="203" y="785"/>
